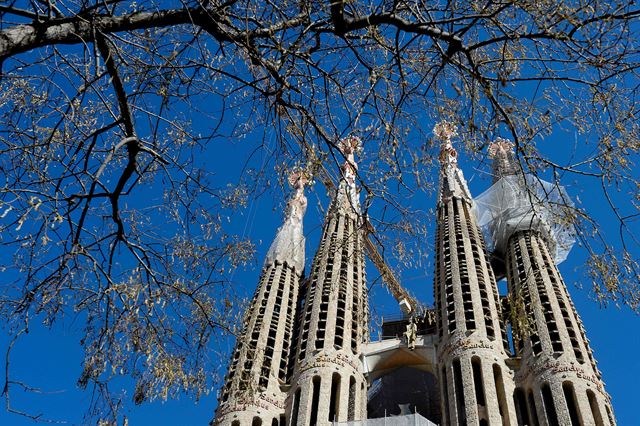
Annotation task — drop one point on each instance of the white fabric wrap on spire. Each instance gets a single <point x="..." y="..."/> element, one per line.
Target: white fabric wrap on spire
<point x="347" y="199"/>
<point x="454" y="184"/>
<point x="518" y="203"/>
<point x="288" y="245"/>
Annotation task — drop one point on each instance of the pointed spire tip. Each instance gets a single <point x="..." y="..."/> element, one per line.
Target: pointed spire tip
<point x="350" y="145"/>
<point x="299" y="178"/>
<point x="452" y="182"/>
<point x="500" y="147"/>
<point x="346" y="197"/>
<point x="504" y="158"/>
<point x="445" y="130"/>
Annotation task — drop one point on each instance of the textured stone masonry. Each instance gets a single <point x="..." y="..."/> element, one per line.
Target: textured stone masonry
<point x="303" y="357"/>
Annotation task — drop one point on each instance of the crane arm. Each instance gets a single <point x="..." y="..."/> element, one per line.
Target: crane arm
<point x="408" y="305"/>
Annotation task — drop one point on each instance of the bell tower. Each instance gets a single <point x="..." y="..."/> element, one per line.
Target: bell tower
<point x="476" y="383"/>
<point x="251" y="393"/>
<point x="328" y="383"/>
<point x="557" y="382"/>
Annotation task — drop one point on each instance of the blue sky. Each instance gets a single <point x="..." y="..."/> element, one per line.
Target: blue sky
<point x="51" y="360"/>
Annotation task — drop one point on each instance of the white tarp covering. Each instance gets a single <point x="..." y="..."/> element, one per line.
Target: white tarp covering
<point x="346" y="197"/>
<point x="515" y="203"/>
<point x="288" y="246"/>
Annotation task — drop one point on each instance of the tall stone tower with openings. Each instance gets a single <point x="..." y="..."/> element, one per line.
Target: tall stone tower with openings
<point x="328" y="383"/>
<point x="472" y="352"/>
<point x="252" y="390"/>
<point x="477" y="358"/>
<point x="557" y="381"/>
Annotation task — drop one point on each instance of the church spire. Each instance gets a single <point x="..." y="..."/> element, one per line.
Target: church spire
<point x="473" y="340"/>
<point x="259" y="365"/>
<point x="557" y="378"/>
<point x="346" y="199"/>
<point x="504" y="159"/>
<point x="328" y="383"/>
<point x="288" y="245"/>
<point x="452" y="182"/>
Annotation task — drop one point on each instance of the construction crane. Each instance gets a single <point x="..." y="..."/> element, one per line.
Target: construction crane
<point x="408" y="305"/>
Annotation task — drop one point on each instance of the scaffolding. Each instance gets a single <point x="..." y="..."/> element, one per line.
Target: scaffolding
<point x="522" y="202"/>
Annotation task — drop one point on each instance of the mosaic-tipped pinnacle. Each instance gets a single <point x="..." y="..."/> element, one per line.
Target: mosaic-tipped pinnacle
<point x="350" y="145"/>
<point x="500" y="147"/>
<point x="445" y="130"/>
<point x="299" y="178"/>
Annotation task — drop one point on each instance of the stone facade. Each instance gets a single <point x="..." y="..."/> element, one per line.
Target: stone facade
<point x="472" y="352"/>
<point x="328" y="383"/>
<point x="260" y="362"/>
<point x="304" y="356"/>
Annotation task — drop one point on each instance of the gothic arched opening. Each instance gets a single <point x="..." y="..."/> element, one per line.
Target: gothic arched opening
<point x="405" y="390"/>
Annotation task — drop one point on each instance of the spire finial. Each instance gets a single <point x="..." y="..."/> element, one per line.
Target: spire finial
<point x="452" y="182"/>
<point x="500" y="147"/>
<point x="349" y="146"/>
<point x="346" y="197"/>
<point x="504" y="159"/>
<point x="298" y="179"/>
<point x="445" y="131"/>
<point x="288" y="245"/>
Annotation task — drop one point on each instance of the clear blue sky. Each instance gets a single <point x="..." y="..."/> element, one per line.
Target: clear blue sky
<point x="51" y="360"/>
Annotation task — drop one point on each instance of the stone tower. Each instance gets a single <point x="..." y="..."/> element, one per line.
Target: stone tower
<point x="304" y="357"/>
<point x="472" y="352"/>
<point x="328" y="383"/>
<point x="252" y="390"/>
<point x="557" y="382"/>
